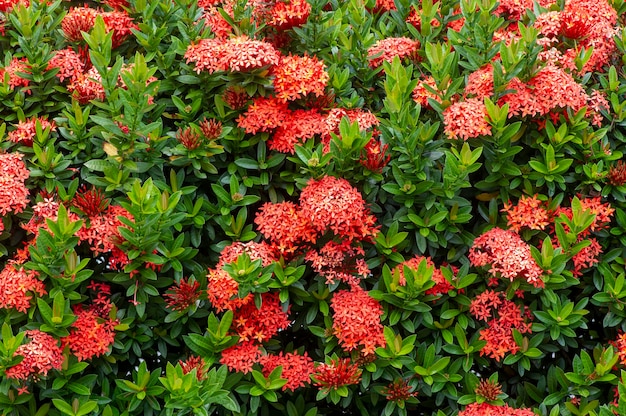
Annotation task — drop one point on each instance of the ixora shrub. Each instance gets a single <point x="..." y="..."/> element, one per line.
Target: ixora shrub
<point x="313" y="207"/>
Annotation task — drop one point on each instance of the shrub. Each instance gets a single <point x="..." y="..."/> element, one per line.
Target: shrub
<point x="312" y="207"/>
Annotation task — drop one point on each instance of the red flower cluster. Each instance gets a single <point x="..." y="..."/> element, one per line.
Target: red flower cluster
<point x="387" y="49"/>
<point x="285" y="226"/>
<point x="222" y="289"/>
<point x="87" y="86"/>
<point x="297" y="127"/>
<point x="426" y="88"/>
<point x="338" y="373"/>
<point x="399" y="391"/>
<point x="290" y="127"/>
<point x="18" y="287"/>
<point x="236" y="54"/>
<point x="70" y="64"/>
<point x="93" y="332"/>
<point x="16" y="66"/>
<point x="591" y="24"/>
<point x="508" y="255"/>
<point x="480" y="83"/>
<point x="7" y="5"/>
<point x="332" y="204"/>
<point x="263" y="115"/>
<point x="41" y="354"/>
<point x="297" y="76"/>
<point x="183" y="295"/>
<point x="289" y="14"/>
<point x="197" y="363"/>
<point x="25" y="131"/>
<point x="466" y="119"/>
<point x="486" y="409"/>
<point x="617" y="174"/>
<point x="82" y="19"/>
<point x="356" y="320"/>
<point x="529" y="212"/>
<point x="241" y="357"/>
<point x="260" y="324"/>
<point x="502" y="317"/>
<point x="297" y="369"/>
<point x="13" y="191"/>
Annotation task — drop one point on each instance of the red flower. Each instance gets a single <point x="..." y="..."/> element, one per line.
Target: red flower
<point x="424" y="90"/>
<point x="387" y="49"/>
<point x="189" y="138"/>
<point x="375" y="157"/>
<point x="297" y="127"/>
<point x="101" y="231"/>
<point x="244" y="54"/>
<point x="18" y="287"/>
<point x="236" y="54"/>
<point x="93" y="332"/>
<point x="489" y="390"/>
<point x="259" y="325"/>
<point x="480" y="82"/>
<point x="284" y="225"/>
<point x="216" y="22"/>
<point x="466" y="119"/>
<point x="620" y="346"/>
<point x="503" y="316"/>
<point x="297" y="76"/>
<point x="197" y="363"/>
<point x="7" y="5"/>
<point x="356" y="320"/>
<point x="264" y="114"/>
<point x="486" y="409"/>
<point x="41" y="354"/>
<point x="241" y="357"/>
<point x="586" y="257"/>
<point x="339" y="373"/>
<point x="529" y="212"/>
<point x="332" y="204"/>
<point x="77" y="20"/>
<point x="25" y="131"/>
<point x="288" y="14"/>
<point x="297" y="369"/>
<point x="399" y="391"/>
<point x="16" y="66"/>
<point x="87" y="87"/>
<point x="223" y="291"/>
<point x="91" y="202"/>
<point x="208" y="55"/>
<point x="13" y="191"/>
<point x="255" y="250"/>
<point x="617" y="174"/>
<point x="70" y="64"/>
<point x="183" y="295"/>
<point x="508" y="255"/>
<point x="211" y="128"/>
<point x="121" y="24"/>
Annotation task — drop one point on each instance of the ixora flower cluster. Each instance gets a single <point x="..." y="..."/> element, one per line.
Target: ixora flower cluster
<point x="330" y="213"/>
<point x="219" y="207"/>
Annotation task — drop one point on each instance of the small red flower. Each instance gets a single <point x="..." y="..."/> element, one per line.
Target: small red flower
<point x="356" y="320"/>
<point x="297" y="369"/>
<point x="41" y="354"/>
<point x="340" y="372"/>
<point x="183" y="295"/>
